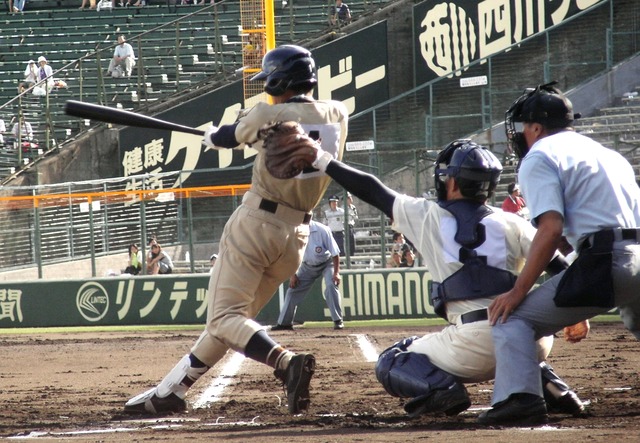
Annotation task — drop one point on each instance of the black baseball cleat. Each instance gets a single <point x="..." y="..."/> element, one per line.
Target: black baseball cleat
<point x="149" y="403"/>
<point x="517" y="410"/>
<point x="568" y="403"/>
<point x="338" y="324"/>
<point x="451" y="401"/>
<point x="282" y="328"/>
<point x="297" y="380"/>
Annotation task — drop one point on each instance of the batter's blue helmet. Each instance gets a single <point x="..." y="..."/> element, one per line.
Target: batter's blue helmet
<point x="287" y="67"/>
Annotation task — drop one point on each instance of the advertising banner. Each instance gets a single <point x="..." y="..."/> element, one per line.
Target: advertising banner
<point x="182" y="299"/>
<point x="349" y="69"/>
<point x="452" y="34"/>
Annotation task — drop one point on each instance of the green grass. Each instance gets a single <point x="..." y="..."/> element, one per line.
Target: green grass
<point x="357" y="324"/>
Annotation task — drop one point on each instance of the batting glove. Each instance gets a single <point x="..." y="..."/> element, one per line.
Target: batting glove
<point x="207" y="141"/>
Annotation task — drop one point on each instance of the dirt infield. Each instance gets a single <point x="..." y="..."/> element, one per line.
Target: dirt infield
<point x="71" y="387"/>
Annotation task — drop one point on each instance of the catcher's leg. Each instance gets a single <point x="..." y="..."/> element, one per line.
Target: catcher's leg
<point x="169" y="395"/>
<point x="412" y="375"/>
<point x="557" y="394"/>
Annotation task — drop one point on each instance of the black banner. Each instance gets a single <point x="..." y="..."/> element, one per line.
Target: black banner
<point x="452" y="34"/>
<point x="350" y="69"/>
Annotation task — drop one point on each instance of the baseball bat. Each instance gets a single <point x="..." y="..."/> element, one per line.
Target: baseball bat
<point x="121" y="117"/>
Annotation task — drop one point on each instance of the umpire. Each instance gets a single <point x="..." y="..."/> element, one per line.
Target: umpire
<point x="321" y="258"/>
<point x="574" y="187"/>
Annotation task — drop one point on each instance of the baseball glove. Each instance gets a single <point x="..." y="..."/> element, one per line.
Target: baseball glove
<point x="288" y="150"/>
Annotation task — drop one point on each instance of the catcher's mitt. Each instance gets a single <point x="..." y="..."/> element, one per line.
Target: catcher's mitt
<point x="288" y="150"/>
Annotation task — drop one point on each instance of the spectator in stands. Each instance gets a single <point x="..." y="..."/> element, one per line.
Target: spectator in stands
<point x="514" y="202"/>
<point x="340" y="14"/>
<point x="123" y="59"/>
<point x="353" y="217"/>
<point x="45" y="72"/>
<point x="18" y="5"/>
<point x="396" y="250"/>
<point x="159" y="261"/>
<point x="92" y="4"/>
<point x="212" y="260"/>
<point x="408" y="257"/>
<point x="30" y="76"/>
<point x="134" y="264"/>
<point x="22" y="131"/>
<point x="3" y="128"/>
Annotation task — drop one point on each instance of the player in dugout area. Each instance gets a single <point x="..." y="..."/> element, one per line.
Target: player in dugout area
<point x="474" y="253"/>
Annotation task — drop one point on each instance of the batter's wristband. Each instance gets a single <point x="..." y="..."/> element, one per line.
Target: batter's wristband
<point x="322" y="160"/>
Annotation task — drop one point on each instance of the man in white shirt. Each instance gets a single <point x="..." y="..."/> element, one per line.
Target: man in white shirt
<point x="123" y="59"/>
<point x="24" y="132"/>
<point x="44" y="72"/>
<point x="3" y="128"/>
<point x="334" y="218"/>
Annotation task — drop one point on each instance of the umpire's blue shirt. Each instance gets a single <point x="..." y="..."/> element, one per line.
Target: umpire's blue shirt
<point x="321" y="246"/>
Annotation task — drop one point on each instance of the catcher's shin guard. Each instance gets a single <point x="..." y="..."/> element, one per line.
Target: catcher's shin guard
<point x="557" y="394"/>
<point x="412" y="375"/>
<point x="169" y="395"/>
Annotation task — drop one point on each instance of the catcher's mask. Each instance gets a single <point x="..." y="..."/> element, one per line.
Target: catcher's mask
<point x="475" y="169"/>
<point x="287" y="67"/>
<point x="544" y="104"/>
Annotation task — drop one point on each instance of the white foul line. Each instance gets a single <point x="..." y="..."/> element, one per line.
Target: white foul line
<point x="369" y="352"/>
<point x="213" y="392"/>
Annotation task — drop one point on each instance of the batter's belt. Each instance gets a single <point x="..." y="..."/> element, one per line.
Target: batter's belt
<point x="284" y="213"/>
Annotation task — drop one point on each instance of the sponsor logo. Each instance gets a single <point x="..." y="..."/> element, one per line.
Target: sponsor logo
<point x="92" y="301"/>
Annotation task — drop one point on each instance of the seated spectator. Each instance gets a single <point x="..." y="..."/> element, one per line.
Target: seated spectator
<point x="92" y="4"/>
<point x="514" y="202"/>
<point x="22" y="132"/>
<point x="45" y="72"/>
<point x="18" y="5"/>
<point x="395" y="260"/>
<point x="212" y="260"/>
<point x="158" y="261"/>
<point x="408" y="259"/>
<point x="3" y="128"/>
<point x="123" y="60"/>
<point x="30" y="76"/>
<point x="134" y="264"/>
<point x="340" y="14"/>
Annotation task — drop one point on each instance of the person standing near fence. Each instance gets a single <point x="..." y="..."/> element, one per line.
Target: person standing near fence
<point x="334" y="219"/>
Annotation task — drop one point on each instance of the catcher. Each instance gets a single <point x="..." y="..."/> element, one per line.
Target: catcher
<point x="264" y="240"/>
<point x="473" y="253"/>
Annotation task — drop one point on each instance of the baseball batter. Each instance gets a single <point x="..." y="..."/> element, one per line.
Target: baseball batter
<point x="473" y="253"/>
<point x="264" y="239"/>
<point x="321" y="259"/>
<point x="578" y="189"/>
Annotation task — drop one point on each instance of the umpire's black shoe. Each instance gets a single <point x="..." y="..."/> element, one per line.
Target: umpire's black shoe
<point x="297" y="381"/>
<point x="451" y="401"/>
<point x="567" y="403"/>
<point x="282" y="328"/>
<point x="517" y="410"/>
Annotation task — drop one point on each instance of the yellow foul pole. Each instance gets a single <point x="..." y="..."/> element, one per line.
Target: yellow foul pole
<point x="257" y="31"/>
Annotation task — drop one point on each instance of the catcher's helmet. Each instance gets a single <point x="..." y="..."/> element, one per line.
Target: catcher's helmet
<point x="475" y="169"/>
<point x="287" y="67"/>
<point x="544" y="104"/>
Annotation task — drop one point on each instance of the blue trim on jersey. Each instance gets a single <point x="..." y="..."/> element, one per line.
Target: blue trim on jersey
<point x="226" y="136"/>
